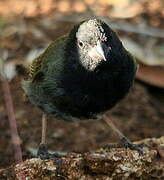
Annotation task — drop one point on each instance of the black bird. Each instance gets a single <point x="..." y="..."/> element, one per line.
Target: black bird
<point x="81" y="75"/>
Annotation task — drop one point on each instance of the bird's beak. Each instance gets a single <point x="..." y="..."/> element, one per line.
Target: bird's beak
<point x="99" y="51"/>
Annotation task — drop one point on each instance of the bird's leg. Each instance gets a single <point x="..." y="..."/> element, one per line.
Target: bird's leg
<point x="44" y="128"/>
<point x="124" y="141"/>
<point x="43" y="151"/>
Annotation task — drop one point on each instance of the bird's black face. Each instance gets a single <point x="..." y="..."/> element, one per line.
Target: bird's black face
<point x="93" y="42"/>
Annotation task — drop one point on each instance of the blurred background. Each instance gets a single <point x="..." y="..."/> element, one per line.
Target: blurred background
<point x="26" y="29"/>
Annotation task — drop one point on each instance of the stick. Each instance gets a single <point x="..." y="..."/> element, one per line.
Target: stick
<point x="12" y="121"/>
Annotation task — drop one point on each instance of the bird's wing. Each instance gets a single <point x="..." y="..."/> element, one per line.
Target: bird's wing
<point x="36" y="66"/>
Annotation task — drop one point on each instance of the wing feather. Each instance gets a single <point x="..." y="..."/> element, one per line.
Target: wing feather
<point x="35" y="67"/>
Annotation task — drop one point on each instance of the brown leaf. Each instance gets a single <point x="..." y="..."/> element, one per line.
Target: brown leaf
<point x="153" y="75"/>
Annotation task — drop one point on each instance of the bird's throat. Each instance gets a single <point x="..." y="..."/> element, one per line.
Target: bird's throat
<point x="91" y="64"/>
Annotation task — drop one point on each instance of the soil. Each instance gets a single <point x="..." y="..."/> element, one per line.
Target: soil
<point x="139" y="115"/>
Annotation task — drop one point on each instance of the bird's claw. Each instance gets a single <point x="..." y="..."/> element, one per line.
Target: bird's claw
<point x="44" y="154"/>
<point x="135" y="147"/>
<point x="126" y="143"/>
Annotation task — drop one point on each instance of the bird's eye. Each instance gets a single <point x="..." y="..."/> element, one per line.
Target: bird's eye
<point x="81" y="44"/>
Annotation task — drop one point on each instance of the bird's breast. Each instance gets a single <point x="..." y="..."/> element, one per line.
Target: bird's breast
<point x="91" y="94"/>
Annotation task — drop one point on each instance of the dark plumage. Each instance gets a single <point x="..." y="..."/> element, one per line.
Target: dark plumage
<point x="83" y="74"/>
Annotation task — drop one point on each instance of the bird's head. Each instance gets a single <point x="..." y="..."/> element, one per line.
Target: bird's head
<point x="95" y="42"/>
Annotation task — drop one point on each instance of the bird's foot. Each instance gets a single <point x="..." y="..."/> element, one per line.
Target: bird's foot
<point x="126" y="143"/>
<point x="44" y="154"/>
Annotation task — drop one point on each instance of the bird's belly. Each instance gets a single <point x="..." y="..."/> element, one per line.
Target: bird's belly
<point x="85" y="100"/>
<point x="91" y="102"/>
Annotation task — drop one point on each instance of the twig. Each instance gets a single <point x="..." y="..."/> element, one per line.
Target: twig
<point x="12" y="121"/>
<point x="136" y="28"/>
<point x="118" y="25"/>
<point x="11" y="115"/>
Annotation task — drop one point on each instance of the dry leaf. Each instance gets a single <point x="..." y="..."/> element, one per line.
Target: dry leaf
<point x="150" y="55"/>
<point x="153" y="75"/>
